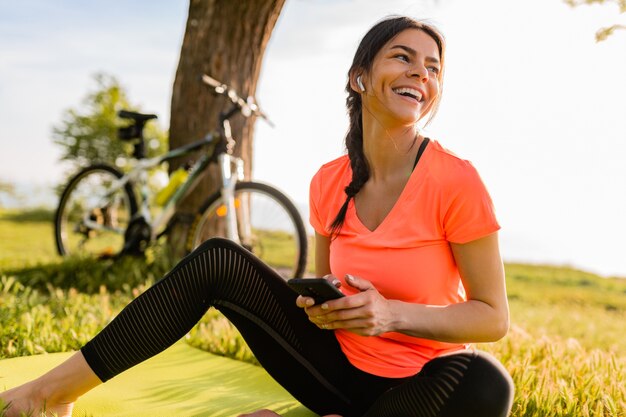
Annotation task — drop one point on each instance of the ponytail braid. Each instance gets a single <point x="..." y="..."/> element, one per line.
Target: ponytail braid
<point x="358" y="163"/>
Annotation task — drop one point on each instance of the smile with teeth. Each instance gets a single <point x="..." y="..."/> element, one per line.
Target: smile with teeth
<point x="409" y="92"/>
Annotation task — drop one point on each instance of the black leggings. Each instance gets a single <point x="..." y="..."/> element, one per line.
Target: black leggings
<point x="304" y="359"/>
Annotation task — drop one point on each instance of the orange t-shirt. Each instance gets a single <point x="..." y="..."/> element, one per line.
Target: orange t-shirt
<point x="408" y="256"/>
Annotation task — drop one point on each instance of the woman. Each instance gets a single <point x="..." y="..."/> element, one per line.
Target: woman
<point x="404" y="227"/>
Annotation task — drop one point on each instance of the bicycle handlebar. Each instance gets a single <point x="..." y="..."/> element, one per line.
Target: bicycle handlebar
<point x="247" y="107"/>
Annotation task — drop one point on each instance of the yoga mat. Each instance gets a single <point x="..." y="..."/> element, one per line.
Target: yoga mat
<point x="182" y="381"/>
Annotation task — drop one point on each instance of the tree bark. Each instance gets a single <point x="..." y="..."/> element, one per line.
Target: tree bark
<point x="225" y="39"/>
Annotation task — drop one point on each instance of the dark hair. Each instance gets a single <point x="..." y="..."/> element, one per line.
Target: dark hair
<point x="370" y="45"/>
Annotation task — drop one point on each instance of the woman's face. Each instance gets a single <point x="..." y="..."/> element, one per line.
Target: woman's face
<point x="403" y="84"/>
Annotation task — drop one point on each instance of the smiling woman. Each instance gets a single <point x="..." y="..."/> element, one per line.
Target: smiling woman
<point x="410" y="67"/>
<point x="408" y="231"/>
<point x="404" y="227"/>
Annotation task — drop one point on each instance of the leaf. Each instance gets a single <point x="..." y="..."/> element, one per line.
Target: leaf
<point x="603" y="33"/>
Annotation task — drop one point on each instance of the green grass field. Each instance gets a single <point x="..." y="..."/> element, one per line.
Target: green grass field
<point x="566" y="349"/>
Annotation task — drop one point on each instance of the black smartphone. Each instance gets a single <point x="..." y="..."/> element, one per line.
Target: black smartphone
<point x="317" y="288"/>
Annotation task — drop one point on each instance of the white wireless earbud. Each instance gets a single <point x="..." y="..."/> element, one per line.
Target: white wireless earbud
<point x="360" y="84"/>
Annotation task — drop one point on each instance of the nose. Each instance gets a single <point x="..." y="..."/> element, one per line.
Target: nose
<point x="420" y="72"/>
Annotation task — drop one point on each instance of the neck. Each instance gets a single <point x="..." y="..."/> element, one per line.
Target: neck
<point x="389" y="151"/>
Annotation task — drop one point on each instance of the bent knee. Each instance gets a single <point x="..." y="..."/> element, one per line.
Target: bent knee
<point x="216" y="242"/>
<point x="486" y="390"/>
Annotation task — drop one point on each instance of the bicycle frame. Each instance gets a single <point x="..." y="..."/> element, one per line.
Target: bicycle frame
<point x="231" y="170"/>
<point x="138" y="175"/>
<point x="105" y="213"/>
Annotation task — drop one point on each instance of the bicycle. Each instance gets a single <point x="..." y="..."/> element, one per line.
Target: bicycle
<point x="99" y="215"/>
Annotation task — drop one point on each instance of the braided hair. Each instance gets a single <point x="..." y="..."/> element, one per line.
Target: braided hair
<point x="370" y="45"/>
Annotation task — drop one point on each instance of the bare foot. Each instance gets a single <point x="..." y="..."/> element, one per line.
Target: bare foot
<point x="28" y="399"/>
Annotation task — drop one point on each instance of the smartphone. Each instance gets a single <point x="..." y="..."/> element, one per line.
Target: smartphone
<point x="317" y="288"/>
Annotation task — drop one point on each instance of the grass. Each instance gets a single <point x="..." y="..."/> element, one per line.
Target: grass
<point x="276" y="248"/>
<point x="26" y="238"/>
<point x="565" y="302"/>
<point x="566" y="349"/>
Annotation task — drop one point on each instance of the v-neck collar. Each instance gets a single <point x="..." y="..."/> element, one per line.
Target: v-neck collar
<point x="415" y="175"/>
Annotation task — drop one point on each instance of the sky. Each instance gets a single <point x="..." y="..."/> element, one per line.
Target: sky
<point x="529" y="97"/>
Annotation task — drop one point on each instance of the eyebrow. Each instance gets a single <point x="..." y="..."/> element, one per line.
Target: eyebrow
<point x="414" y="52"/>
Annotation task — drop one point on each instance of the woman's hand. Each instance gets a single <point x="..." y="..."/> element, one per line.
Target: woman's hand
<point x="303" y="301"/>
<point x="366" y="313"/>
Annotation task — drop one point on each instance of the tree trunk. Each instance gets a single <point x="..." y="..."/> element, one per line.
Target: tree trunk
<point x="225" y="39"/>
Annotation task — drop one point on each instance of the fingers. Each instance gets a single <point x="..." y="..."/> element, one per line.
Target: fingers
<point x="360" y="326"/>
<point x="364" y="313"/>
<point x="322" y="315"/>
<point x="339" y="315"/>
<point x="359" y="283"/>
<point x="356" y="313"/>
<point x="304" y="302"/>
<point x="333" y="280"/>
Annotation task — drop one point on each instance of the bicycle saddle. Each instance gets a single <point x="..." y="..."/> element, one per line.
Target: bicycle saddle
<point x="137" y="117"/>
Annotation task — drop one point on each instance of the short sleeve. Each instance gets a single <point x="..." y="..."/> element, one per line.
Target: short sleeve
<point x="315" y="194"/>
<point x="469" y="212"/>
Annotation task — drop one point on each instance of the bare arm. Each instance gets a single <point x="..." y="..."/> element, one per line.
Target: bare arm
<point x="484" y="317"/>
<point x="322" y="255"/>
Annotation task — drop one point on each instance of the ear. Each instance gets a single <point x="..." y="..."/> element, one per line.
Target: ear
<point x="359" y="83"/>
<point x="354" y="82"/>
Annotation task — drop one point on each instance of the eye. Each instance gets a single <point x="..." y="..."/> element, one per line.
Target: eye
<point x="434" y="70"/>
<point x="402" y="57"/>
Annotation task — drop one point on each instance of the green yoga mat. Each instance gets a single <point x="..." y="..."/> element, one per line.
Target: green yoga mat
<point x="179" y="382"/>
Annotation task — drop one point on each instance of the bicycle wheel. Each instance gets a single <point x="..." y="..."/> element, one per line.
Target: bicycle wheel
<point x="94" y="212"/>
<point x="268" y="223"/>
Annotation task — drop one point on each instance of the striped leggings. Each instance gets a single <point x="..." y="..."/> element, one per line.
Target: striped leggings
<point x="304" y="359"/>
